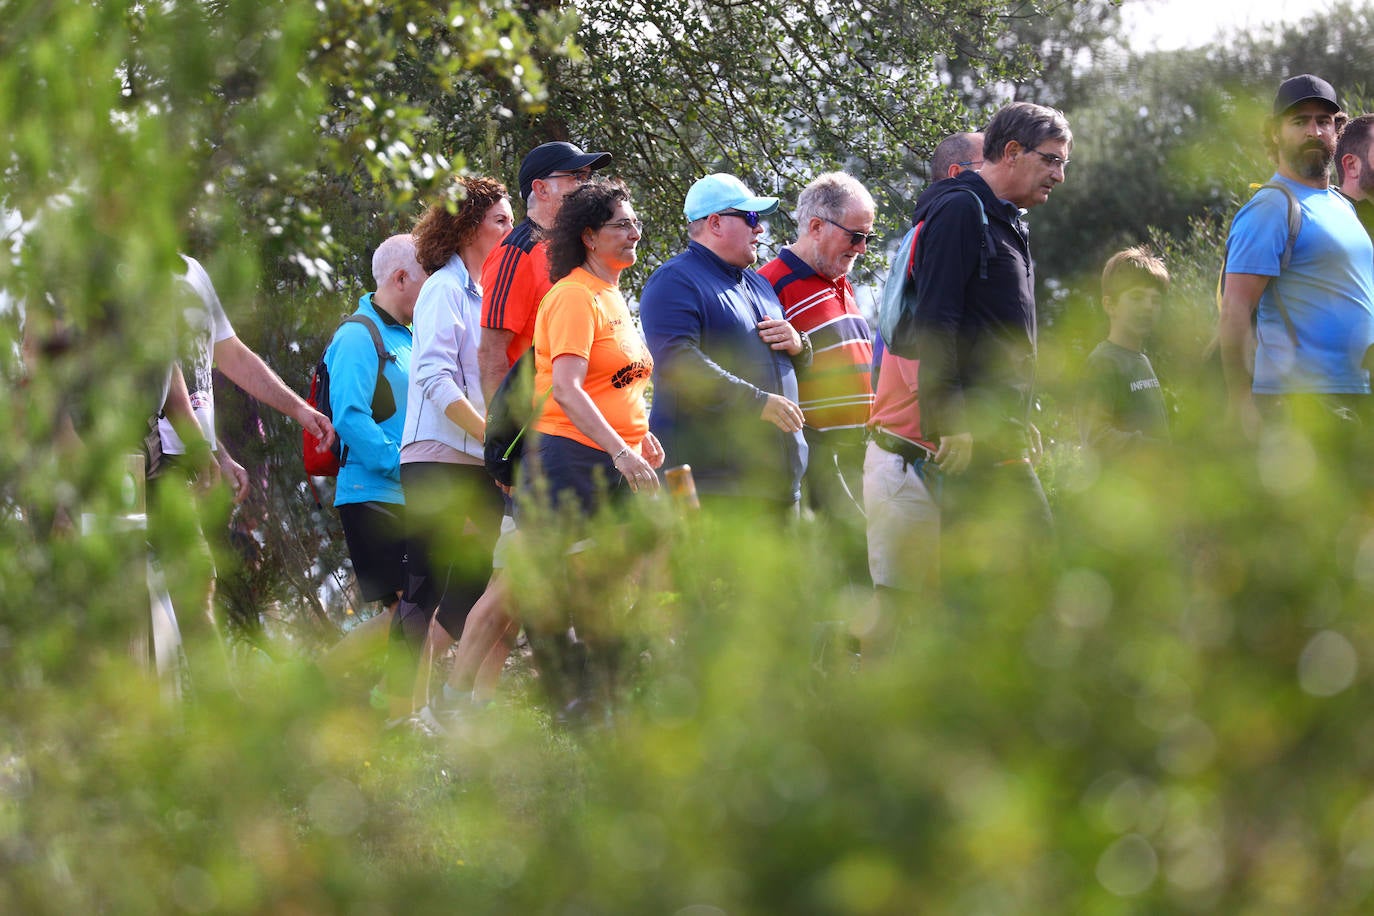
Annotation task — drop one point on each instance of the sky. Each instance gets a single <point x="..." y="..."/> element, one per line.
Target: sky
<point x="1172" y="24"/>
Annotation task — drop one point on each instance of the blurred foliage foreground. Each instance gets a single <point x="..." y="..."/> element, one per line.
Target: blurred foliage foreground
<point x="1166" y="717"/>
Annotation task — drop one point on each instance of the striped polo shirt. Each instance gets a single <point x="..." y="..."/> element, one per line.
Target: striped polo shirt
<point x="837" y="389"/>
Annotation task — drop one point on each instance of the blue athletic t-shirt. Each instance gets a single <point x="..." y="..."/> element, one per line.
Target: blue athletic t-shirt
<point x="1328" y="288"/>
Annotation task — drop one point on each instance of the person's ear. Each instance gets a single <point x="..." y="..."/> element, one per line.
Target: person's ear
<point x="1350" y="165"/>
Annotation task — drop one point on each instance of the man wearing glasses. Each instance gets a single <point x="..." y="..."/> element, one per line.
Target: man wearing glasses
<point x="835" y="216"/>
<point x="515" y="276"/>
<point x="976" y="334"/>
<point x="903" y="519"/>
<point x="956" y="153"/>
<point x="725" y="359"/>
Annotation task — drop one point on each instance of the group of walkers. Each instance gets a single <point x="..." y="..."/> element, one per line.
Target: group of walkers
<point x="771" y="384"/>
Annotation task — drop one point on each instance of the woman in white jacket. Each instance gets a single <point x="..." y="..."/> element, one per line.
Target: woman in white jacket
<point x="457" y="507"/>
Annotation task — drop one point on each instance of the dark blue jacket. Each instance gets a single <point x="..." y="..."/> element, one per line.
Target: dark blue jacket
<point x="975" y="336"/>
<point x="712" y="375"/>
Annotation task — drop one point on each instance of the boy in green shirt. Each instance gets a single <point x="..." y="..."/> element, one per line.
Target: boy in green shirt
<point x="1121" y="407"/>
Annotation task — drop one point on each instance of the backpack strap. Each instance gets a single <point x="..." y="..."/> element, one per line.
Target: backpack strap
<point x="1294" y="220"/>
<point x="985" y="244"/>
<point x="383" y="399"/>
<point x="1294" y="227"/>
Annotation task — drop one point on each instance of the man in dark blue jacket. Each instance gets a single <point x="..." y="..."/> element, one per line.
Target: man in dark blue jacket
<point x="725" y="386"/>
<point x="976" y="325"/>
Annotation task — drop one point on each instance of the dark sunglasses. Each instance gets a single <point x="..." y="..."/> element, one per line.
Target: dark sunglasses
<point x="751" y="217"/>
<point x="855" y="236"/>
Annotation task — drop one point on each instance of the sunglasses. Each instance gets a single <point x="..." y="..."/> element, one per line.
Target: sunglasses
<point x="855" y="236"/>
<point x="751" y="217"/>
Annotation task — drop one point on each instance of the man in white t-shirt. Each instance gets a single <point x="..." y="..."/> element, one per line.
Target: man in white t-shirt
<point x="206" y="341"/>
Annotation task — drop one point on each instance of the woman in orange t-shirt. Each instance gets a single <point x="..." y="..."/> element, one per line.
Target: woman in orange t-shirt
<point x="591" y="358"/>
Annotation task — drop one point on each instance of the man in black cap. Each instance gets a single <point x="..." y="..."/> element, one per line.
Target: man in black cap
<point x="515" y="276"/>
<point x="1298" y="288"/>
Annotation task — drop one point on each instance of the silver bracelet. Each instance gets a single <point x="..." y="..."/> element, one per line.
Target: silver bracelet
<point x="620" y="454"/>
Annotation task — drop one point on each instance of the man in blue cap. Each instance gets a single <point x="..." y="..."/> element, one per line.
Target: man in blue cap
<point x="725" y="381"/>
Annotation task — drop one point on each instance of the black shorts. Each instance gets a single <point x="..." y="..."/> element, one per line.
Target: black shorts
<point x="453" y="515"/>
<point x="376" y="535"/>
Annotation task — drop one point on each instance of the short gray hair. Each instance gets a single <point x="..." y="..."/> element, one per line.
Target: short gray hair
<point x="956" y="149"/>
<point x="396" y="253"/>
<point x="1027" y="124"/>
<point x="827" y="195"/>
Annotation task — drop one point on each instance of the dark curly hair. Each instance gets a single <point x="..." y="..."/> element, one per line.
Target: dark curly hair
<point x="589" y="207"/>
<point x="442" y="230"/>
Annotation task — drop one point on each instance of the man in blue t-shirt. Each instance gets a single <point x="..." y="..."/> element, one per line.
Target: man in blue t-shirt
<point x="1308" y="323"/>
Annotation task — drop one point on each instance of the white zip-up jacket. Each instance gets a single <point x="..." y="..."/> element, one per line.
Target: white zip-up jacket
<point x="443" y="367"/>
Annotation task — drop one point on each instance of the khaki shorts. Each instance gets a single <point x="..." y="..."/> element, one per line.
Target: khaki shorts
<point x="903" y="523"/>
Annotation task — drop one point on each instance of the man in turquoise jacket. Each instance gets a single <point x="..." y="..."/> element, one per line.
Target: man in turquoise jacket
<point x="369" y="415"/>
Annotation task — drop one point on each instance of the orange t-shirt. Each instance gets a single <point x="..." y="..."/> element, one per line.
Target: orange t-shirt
<point x="585" y="316"/>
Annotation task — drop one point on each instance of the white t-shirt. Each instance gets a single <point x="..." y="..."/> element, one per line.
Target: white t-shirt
<point x="204" y="324"/>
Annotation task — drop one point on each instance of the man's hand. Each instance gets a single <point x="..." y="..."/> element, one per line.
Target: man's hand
<point x="955" y="453"/>
<point x="318" y="425"/>
<point x="780" y="335"/>
<point x="782" y="413"/>
<point x="234" y="474"/>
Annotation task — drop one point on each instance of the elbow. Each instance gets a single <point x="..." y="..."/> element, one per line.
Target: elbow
<point x="564" y="392"/>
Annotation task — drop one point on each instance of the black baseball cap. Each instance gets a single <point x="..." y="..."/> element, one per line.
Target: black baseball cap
<point x="1304" y="88"/>
<point x="558" y="156"/>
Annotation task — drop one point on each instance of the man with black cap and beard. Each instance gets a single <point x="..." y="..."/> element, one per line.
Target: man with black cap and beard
<point x="1305" y="310"/>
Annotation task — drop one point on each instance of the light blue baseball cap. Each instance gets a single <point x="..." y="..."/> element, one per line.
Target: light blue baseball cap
<point x="720" y="192"/>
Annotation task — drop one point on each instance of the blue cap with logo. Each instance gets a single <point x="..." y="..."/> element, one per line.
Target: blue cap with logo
<point x="719" y="192"/>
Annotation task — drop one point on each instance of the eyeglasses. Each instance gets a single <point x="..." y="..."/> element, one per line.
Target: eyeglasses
<point x="969" y="163"/>
<point x="855" y="236"/>
<point x="752" y="217"/>
<point x="581" y="175"/>
<point x="1051" y="160"/>
<point x="625" y="224"/>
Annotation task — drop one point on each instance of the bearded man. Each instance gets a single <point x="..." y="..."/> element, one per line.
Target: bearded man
<point x="1354" y="171"/>
<point x="1309" y="321"/>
